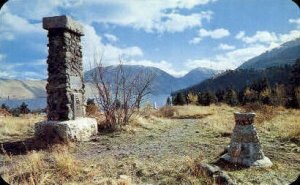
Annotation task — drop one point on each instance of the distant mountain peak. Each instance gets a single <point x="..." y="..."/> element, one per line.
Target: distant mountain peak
<point x="164" y="82"/>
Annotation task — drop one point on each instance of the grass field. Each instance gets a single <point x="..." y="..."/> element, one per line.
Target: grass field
<point x="158" y="147"/>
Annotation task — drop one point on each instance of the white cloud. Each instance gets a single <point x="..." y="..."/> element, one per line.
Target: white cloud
<point x="226" y="47"/>
<point x="228" y="60"/>
<point x="2" y="56"/>
<point x="258" y="37"/>
<point x="12" y="70"/>
<point x="111" y="37"/>
<point x="295" y="21"/>
<point x="292" y="35"/>
<point x="257" y="44"/>
<point x="163" y="65"/>
<point x="214" y="34"/>
<point x="177" y="23"/>
<point x="5" y="74"/>
<point x="94" y="47"/>
<point x="150" y="16"/>
<point x="269" y="39"/>
<point x="195" y="40"/>
<point x="13" y="25"/>
<point x="240" y="35"/>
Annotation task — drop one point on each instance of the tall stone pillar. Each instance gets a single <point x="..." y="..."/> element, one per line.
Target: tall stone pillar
<point x="65" y="88"/>
<point x="245" y="147"/>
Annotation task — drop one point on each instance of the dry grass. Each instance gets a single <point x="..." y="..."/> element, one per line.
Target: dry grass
<point x="29" y="170"/>
<point x="18" y="126"/>
<point x="263" y="112"/>
<point x="4" y="113"/>
<point x="276" y="121"/>
<point x="217" y="118"/>
<point x="167" y="112"/>
<point x="285" y="124"/>
<point x="54" y="166"/>
<point x="158" y="149"/>
<point x="280" y="122"/>
<point x="183" y="112"/>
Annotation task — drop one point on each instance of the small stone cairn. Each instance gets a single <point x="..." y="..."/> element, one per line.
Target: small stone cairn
<point x="245" y="148"/>
<point x="65" y="89"/>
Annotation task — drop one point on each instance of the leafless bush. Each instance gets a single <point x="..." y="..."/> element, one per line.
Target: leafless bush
<point x="167" y="112"/>
<point x="119" y="92"/>
<point x="263" y="112"/>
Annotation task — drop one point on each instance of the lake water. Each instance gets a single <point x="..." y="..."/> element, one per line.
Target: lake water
<point x="41" y="103"/>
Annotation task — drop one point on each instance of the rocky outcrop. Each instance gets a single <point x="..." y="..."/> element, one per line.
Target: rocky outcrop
<point x="216" y="174"/>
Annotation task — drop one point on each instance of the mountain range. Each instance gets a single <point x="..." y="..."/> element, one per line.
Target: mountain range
<point x="198" y="79"/>
<point x="286" y="54"/>
<point x="274" y="65"/>
<point x="163" y="83"/>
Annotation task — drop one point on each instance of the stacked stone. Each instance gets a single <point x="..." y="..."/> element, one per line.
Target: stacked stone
<point x="65" y="86"/>
<point x="245" y="147"/>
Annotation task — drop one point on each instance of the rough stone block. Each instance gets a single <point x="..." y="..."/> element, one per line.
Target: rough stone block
<point x="64" y="22"/>
<point x="264" y="162"/>
<point x="80" y="129"/>
<point x="245" y="147"/>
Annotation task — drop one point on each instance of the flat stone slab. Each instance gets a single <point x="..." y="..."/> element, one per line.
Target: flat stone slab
<point x="80" y="129"/>
<point x="64" y="22"/>
<point x="260" y="163"/>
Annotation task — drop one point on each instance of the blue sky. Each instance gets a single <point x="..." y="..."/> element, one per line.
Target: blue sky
<point x="173" y="35"/>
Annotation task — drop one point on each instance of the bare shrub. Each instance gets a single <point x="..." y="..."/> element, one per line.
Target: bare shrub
<point x="147" y="111"/>
<point x="119" y="94"/>
<point x="4" y="112"/>
<point x="167" y="112"/>
<point x="92" y="110"/>
<point x="263" y="112"/>
<point x="193" y="165"/>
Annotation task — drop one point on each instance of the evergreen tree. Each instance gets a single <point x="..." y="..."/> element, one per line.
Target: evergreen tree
<point x="169" y="103"/>
<point x="207" y="98"/>
<point x="265" y="96"/>
<point x="260" y="85"/>
<point x="293" y="90"/>
<point x="192" y="98"/>
<point x="16" y="112"/>
<point x="295" y="74"/>
<point x="278" y="95"/>
<point x="5" y="107"/>
<point x="24" y="108"/>
<point x="179" y="99"/>
<point x="231" y="97"/>
<point x="90" y="101"/>
<point x="249" y="96"/>
<point x="220" y="95"/>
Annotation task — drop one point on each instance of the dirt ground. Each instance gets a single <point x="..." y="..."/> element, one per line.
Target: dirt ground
<point x="162" y="151"/>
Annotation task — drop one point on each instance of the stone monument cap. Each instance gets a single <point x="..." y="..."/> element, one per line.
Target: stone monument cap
<point x="244" y="114"/>
<point x="245" y="118"/>
<point x="64" y="22"/>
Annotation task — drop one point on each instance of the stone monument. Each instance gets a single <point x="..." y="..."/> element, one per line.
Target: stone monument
<point x="245" y="147"/>
<point x="65" y="88"/>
